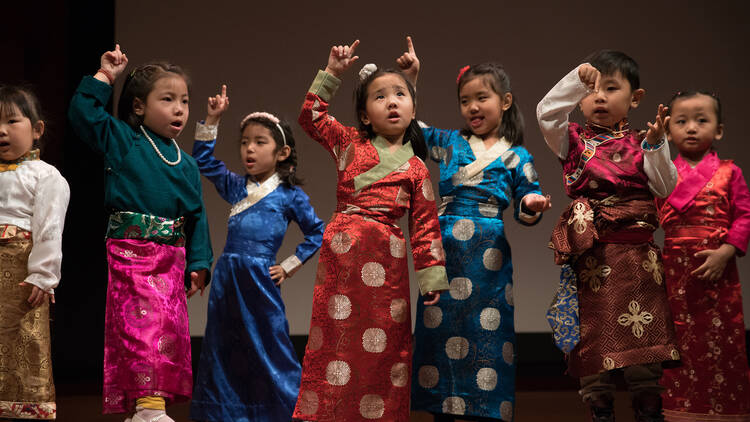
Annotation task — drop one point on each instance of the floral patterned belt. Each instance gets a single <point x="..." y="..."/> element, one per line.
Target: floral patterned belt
<point x="133" y="225"/>
<point x="10" y="231"/>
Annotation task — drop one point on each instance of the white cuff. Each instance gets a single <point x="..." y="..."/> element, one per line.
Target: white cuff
<point x="291" y="265"/>
<point x="204" y="132"/>
<point x="527" y="218"/>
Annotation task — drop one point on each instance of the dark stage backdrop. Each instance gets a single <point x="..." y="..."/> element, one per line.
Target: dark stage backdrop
<point x="268" y="53"/>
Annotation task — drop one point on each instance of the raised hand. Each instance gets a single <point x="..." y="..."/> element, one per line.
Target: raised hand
<point x="537" y="203"/>
<point x="112" y="64"/>
<point x="197" y="282"/>
<point x="341" y="58"/>
<point x="590" y="76"/>
<point x="657" y="129"/>
<point x="409" y="62"/>
<point x="278" y="274"/>
<point x="217" y="105"/>
<point x="716" y="260"/>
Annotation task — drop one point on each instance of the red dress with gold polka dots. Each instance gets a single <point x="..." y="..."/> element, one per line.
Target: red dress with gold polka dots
<point x="710" y="206"/>
<point x="357" y="362"/>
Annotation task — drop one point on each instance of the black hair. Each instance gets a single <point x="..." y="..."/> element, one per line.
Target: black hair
<point x="690" y="94"/>
<point x="23" y="99"/>
<point x="287" y="168"/>
<point x="139" y="84"/>
<point x="512" y="124"/>
<point x="609" y="62"/>
<point x="413" y="132"/>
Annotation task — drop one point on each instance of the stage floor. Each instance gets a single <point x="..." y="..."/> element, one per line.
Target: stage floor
<point x="531" y="406"/>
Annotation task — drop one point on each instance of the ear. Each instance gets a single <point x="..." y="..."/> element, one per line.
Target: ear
<point x="507" y="99"/>
<point x="363" y="118"/>
<point x="635" y="98"/>
<point x="139" y="108"/>
<point x="719" y="132"/>
<point x="38" y="129"/>
<point x="284" y="153"/>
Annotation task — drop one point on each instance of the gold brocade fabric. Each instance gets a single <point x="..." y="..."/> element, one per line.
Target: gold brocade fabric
<point x="26" y="387"/>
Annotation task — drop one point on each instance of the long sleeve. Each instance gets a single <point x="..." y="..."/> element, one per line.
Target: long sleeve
<point x="437" y="141"/>
<point x="525" y="182"/>
<point x="426" y="240"/>
<point x="316" y="121"/>
<point x="555" y="108"/>
<point x="198" y="243"/>
<point x="739" y="231"/>
<point x="660" y="170"/>
<point x="47" y="221"/>
<point x="312" y="228"/>
<point x="92" y="123"/>
<point x="226" y="182"/>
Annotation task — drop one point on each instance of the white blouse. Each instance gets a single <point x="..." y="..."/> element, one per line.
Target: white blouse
<point x="35" y="197"/>
<point x="553" y="111"/>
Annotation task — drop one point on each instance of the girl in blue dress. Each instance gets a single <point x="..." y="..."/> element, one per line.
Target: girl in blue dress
<point x="464" y="358"/>
<point x="248" y="369"/>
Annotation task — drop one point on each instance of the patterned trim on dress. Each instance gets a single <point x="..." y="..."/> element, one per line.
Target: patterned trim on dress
<point x="12" y="165"/>
<point x="10" y="231"/>
<point x="133" y="225"/>
<point x="204" y="132"/>
<point x="23" y="410"/>
<point x="590" y="145"/>
<point x="255" y="192"/>
<point x="291" y="265"/>
<point x="388" y="162"/>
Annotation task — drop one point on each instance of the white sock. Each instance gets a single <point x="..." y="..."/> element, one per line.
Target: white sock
<point x="150" y="415"/>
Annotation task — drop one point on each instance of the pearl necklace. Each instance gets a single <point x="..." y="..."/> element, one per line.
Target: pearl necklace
<point x="171" y="163"/>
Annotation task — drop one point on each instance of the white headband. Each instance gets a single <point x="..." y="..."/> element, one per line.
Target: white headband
<point x="267" y="116"/>
<point x="367" y="70"/>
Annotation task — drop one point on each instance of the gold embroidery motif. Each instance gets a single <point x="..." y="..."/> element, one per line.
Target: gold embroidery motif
<point x="609" y="364"/>
<point x="674" y="354"/>
<point x="654" y="266"/>
<point x="594" y="274"/>
<point x="635" y="317"/>
<point x="580" y="216"/>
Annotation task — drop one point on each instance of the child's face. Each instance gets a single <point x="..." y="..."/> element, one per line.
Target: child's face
<point x="17" y="134"/>
<point x="694" y="126"/>
<point x="166" y="108"/>
<point x="482" y="107"/>
<point x="613" y="101"/>
<point x="389" y="107"/>
<point x="259" y="153"/>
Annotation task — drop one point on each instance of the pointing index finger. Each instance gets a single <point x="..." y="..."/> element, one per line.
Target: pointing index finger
<point x="410" y="45"/>
<point x="596" y="82"/>
<point x="353" y="47"/>
<point x="223" y="90"/>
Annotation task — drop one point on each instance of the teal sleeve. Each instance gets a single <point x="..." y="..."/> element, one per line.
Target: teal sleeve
<point x="199" y="254"/>
<point x="105" y="134"/>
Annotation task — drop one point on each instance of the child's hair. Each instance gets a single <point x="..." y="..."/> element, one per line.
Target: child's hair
<point x="24" y="99"/>
<point x="497" y="78"/>
<point x="413" y="132"/>
<point x="689" y="94"/>
<point x="609" y="62"/>
<point x="287" y="169"/>
<point x="139" y="84"/>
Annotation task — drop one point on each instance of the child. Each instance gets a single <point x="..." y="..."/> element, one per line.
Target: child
<point x="33" y="200"/>
<point x="706" y="222"/>
<point x="464" y="354"/>
<point x="358" y="357"/>
<point x="157" y="238"/>
<point x="606" y="234"/>
<point x="249" y="370"/>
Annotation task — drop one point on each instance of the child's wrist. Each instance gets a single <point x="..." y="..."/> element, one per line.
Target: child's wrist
<point x="110" y="78"/>
<point x="212" y="120"/>
<point x="332" y="72"/>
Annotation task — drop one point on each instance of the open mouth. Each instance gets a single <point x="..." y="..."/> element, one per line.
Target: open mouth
<point x="393" y="117"/>
<point x="4" y="144"/>
<point x="176" y="125"/>
<point x="476" y="121"/>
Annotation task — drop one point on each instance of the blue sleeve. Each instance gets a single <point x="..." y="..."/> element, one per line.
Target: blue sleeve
<point x="436" y="139"/>
<point x="525" y="181"/>
<point x="312" y="227"/>
<point x="228" y="184"/>
<point x="105" y="134"/>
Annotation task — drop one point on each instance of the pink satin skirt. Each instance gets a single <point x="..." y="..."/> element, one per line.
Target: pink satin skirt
<point x="146" y="333"/>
